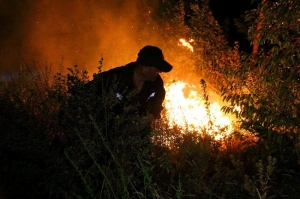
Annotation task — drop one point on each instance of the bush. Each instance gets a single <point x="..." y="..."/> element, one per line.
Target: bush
<point x="60" y="140"/>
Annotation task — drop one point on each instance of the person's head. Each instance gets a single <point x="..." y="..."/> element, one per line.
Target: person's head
<point x="152" y="62"/>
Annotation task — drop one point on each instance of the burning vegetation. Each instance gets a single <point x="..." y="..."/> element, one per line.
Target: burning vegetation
<point x="186" y="109"/>
<point x="187" y="106"/>
<point x="230" y="127"/>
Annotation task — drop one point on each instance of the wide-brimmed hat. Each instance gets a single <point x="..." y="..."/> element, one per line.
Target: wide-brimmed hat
<point x="153" y="56"/>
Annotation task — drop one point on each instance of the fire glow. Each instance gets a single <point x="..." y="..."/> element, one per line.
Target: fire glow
<point x="188" y="111"/>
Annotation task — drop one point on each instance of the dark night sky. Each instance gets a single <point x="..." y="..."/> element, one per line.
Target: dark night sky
<point x="229" y="11"/>
<point x="81" y="32"/>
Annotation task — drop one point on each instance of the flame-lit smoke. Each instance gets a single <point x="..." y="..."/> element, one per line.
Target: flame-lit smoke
<point x="74" y="32"/>
<point x="186" y="109"/>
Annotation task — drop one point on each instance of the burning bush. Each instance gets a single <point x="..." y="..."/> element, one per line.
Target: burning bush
<point x="58" y="140"/>
<point x="56" y="137"/>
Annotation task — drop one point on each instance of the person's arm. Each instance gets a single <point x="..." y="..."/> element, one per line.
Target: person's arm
<point x="155" y="103"/>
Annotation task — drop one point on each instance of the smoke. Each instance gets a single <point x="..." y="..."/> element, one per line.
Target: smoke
<point x="44" y="32"/>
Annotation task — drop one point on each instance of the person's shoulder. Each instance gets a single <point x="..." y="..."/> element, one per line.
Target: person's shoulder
<point x="128" y="67"/>
<point x="121" y="69"/>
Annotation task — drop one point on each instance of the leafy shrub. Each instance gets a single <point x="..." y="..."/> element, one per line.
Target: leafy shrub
<point x="60" y="140"/>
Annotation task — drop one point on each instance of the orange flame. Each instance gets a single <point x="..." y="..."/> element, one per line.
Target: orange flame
<point x="186" y="109"/>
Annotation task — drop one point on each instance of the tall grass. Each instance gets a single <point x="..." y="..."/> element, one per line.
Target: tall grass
<point x="60" y="140"/>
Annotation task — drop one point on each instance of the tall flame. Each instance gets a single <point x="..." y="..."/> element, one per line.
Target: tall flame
<point x="189" y="111"/>
<point x="186" y="109"/>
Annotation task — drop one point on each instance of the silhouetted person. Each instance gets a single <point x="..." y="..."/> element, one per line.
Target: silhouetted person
<point x="137" y="83"/>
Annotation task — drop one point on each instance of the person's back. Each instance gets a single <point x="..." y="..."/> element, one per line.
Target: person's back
<point x="136" y="84"/>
